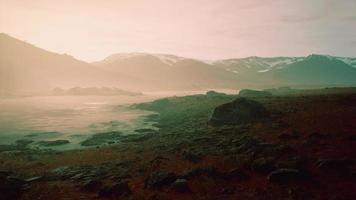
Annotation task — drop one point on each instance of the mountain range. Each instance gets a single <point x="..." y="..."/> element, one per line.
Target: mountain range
<point x="25" y="68"/>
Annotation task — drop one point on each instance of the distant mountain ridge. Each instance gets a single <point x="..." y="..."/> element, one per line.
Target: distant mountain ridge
<point x="27" y="68"/>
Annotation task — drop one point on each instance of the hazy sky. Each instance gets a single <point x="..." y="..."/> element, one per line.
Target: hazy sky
<point x="207" y="29"/>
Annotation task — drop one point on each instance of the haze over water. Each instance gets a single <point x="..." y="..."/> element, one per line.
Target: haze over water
<point x="67" y="117"/>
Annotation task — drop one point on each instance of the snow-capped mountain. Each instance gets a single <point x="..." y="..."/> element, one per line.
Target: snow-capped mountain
<point x="261" y="65"/>
<point x="24" y="67"/>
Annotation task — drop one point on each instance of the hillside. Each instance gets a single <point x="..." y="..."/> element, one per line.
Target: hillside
<point x="25" y="68"/>
<point x="168" y="71"/>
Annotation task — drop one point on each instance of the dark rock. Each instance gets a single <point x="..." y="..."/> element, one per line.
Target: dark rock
<point x="53" y="143"/>
<point x="209" y="171"/>
<point x="159" y="179"/>
<point x="254" y="93"/>
<point x="235" y="173"/>
<point x="192" y="156"/>
<point x="240" y="111"/>
<point x="11" y="187"/>
<point x="136" y="137"/>
<point x="118" y="189"/>
<point x="5" y="173"/>
<point x="77" y="173"/>
<point x="286" y="175"/>
<point x="299" y="194"/>
<point x="338" y="165"/>
<point x="228" y="190"/>
<point x="314" y="138"/>
<point x="91" y="185"/>
<point x="263" y="165"/>
<point x="288" y="136"/>
<point x="101" y="138"/>
<point x="23" y="142"/>
<point x="180" y="185"/>
<point x="155" y="197"/>
<point x="33" y="179"/>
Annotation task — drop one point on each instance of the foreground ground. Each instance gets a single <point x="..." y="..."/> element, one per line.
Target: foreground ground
<point x="303" y="149"/>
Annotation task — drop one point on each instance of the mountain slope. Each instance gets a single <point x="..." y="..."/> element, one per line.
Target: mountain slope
<point x="168" y="71"/>
<point x="26" y="68"/>
<point x="316" y="70"/>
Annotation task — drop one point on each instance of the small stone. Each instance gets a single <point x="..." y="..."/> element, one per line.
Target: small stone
<point x="159" y="179"/>
<point x="180" y="185"/>
<point x="91" y="185"/>
<point x="119" y="189"/>
<point x="285" y="175"/>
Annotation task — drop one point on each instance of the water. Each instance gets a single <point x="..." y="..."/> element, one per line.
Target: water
<point x="72" y="118"/>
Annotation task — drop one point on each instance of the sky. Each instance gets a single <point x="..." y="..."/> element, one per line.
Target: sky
<point x="206" y="29"/>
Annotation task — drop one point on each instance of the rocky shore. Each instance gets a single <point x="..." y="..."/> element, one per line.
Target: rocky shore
<point x="297" y="145"/>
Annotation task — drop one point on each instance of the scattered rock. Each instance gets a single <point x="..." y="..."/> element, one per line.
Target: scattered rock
<point x="101" y="138"/>
<point x="11" y="187"/>
<point x="285" y="175"/>
<point x="91" y="185"/>
<point x="33" y="179"/>
<point x="228" y="190"/>
<point x="209" y="171"/>
<point x="235" y="173"/>
<point x="52" y="143"/>
<point x="288" y="136"/>
<point x="23" y="142"/>
<point x="240" y="111"/>
<point x="338" y="165"/>
<point x="180" y="185"/>
<point x="77" y="173"/>
<point x="263" y="165"/>
<point x="136" y="137"/>
<point x="254" y="93"/>
<point x="192" y="156"/>
<point x="159" y="179"/>
<point x="118" y="189"/>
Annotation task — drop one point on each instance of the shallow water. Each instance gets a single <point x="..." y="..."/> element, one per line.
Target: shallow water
<point x="73" y="118"/>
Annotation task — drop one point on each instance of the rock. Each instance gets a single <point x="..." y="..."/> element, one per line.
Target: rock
<point x="53" y="143"/>
<point x="180" y="185"/>
<point x="285" y="175"/>
<point x="192" y="156"/>
<point x="314" y="138"/>
<point x="77" y="173"/>
<point x="228" y="190"/>
<point x="209" y="171"/>
<point x="235" y="173"/>
<point x="159" y="179"/>
<point x="213" y="93"/>
<point x="288" y="136"/>
<point x="118" y="189"/>
<point x="23" y="142"/>
<point x="254" y="93"/>
<point x="337" y="165"/>
<point x="263" y="165"/>
<point x="136" y="137"/>
<point x="239" y="112"/>
<point x="11" y="187"/>
<point x="101" y="138"/>
<point x="5" y="173"/>
<point x="91" y="185"/>
<point x="33" y="179"/>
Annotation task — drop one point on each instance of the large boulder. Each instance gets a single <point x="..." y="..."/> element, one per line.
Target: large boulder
<point x="10" y="187"/>
<point x="240" y="111"/>
<point x="254" y="93"/>
<point x="159" y="179"/>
